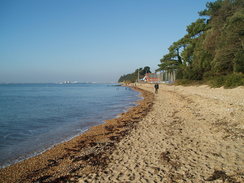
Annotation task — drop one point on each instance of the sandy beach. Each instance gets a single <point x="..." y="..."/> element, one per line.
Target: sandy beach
<point x="192" y="134"/>
<point x="182" y="134"/>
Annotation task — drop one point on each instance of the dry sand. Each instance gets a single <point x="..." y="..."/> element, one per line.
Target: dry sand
<point x="192" y="134"/>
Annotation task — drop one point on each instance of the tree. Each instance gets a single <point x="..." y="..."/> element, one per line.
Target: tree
<point x="132" y="77"/>
<point x="213" y="45"/>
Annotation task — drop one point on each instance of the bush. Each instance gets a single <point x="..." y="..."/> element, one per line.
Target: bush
<point x="217" y="81"/>
<point x="228" y="81"/>
<point x="234" y="80"/>
<point x="187" y="82"/>
<point x="183" y="82"/>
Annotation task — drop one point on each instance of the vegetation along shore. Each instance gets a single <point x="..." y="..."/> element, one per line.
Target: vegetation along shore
<point x="212" y="51"/>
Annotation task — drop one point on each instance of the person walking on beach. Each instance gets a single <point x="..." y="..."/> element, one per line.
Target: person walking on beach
<point x="156" y="86"/>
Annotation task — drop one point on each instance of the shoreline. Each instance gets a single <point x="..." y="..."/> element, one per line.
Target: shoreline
<point x="191" y="134"/>
<point x="46" y="148"/>
<point x="31" y="155"/>
<point x="82" y="154"/>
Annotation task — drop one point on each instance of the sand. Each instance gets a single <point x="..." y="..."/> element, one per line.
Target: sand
<point x="189" y="134"/>
<point x="192" y="134"/>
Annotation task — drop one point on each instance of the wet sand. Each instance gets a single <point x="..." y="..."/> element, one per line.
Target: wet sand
<point x="83" y="155"/>
<point x="192" y="134"/>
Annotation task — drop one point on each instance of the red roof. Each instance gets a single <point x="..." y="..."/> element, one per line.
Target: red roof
<point x="151" y="77"/>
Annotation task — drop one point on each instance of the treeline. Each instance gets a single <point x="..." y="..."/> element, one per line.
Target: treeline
<point x="132" y="77"/>
<point x="213" y="48"/>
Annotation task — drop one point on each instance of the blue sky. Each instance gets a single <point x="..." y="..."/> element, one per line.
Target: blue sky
<point x="88" y="40"/>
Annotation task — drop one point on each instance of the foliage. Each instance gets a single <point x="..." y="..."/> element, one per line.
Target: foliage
<point x="213" y="46"/>
<point x="186" y="82"/>
<point x="132" y="77"/>
<point x="228" y="81"/>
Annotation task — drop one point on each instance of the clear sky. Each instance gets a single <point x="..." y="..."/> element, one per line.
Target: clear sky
<point x="88" y="40"/>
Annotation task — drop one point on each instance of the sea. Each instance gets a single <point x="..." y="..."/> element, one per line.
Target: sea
<point x="35" y="117"/>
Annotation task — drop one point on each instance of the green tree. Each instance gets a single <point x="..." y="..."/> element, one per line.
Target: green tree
<point x="213" y="45"/>
<point x="132" y="77"/>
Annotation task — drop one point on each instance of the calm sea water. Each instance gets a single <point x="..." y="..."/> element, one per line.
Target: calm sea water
<point x="34" y="117"/>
